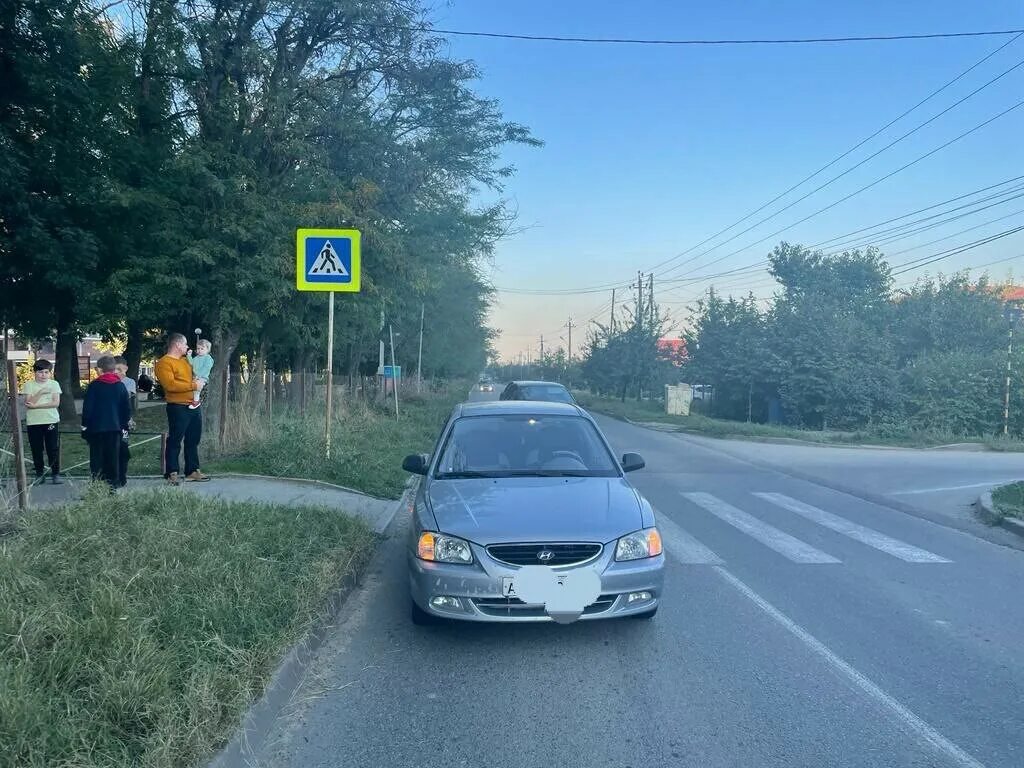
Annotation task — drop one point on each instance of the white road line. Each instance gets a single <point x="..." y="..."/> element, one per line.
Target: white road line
<point x="911" y="721"/>
<point x="684" y="547"/>
<point x="864" y="535"/>
<point x="787" y="546"/>
<point x="990" y="483"/>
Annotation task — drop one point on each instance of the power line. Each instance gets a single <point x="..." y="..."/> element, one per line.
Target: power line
<point x="870" y="157"/>
<point x="697" y="42"/>
<point x="903" y="229"/>
<point x="644" y="41"/>
<point x="924" y="261"/>
<point x="830" y="241"/>
<point x="955" y="234"/>
<point x="866" y="187"/>
<point x="957" y="78"/>
<point x="997" y="261"/>
<point x="836" y="159"/>
<point x="911" y="228"/>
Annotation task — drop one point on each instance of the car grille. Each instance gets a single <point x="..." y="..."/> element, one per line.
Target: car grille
<point x="526" y="554"/>
<point x="505" y="606"/>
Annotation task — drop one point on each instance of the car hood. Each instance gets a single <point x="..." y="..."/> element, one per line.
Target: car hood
<point x="490" y="511"/>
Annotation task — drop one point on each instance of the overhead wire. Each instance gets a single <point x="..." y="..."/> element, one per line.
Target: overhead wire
<point x="919" y="210"/>
<point x="912" y="228"/>
<point x="725" y="41"/>
<point x="857" y="165"/>
<point x="845" y="154"/>
<point x="914" y="264"/>
<point x="866" y="187"/>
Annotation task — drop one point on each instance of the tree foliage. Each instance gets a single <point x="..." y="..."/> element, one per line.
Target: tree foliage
<point x="838" y="347"/>
<point x="159" y="155"/>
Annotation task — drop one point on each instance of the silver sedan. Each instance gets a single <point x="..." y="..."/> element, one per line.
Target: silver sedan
<point x="524" y="514"/>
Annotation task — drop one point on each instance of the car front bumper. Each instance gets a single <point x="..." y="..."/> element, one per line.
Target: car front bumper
<point x="478" y="588"/>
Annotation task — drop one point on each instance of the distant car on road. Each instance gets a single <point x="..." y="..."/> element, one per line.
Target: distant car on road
<point x="485" y="385"/>
<point x="523" y="510"/>
<point x="544" y="391"/>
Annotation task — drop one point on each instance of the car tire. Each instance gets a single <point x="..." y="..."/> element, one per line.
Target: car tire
<point x="646" y="614"/>
<point x="420" y="617"/>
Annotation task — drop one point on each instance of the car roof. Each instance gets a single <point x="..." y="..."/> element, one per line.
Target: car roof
<point x="512" y="407"/>
<point x="538" y="383"/>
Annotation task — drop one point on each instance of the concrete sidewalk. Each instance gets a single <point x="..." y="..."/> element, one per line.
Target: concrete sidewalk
<point x="271" y="490"/>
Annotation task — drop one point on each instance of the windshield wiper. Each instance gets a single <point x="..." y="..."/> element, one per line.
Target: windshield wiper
<point x="551" y="473"/>
<point x="465" y="473"/>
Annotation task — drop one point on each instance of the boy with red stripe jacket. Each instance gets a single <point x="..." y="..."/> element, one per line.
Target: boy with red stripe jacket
<point x="105" y="416"/>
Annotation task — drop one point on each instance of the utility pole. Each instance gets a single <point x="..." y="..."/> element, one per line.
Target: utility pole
<point x="542" y="349"/>
<point x="570" y="326"/>
<point x="638" y="320"/>
<point x="1012" y="314"/>
<point x="611" y="317"/>
<point x="650" y="299"/>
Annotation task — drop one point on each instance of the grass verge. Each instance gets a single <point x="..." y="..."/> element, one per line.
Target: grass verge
<point x="1009" y="499"/>
<point x="136" y="629"/>
<point x="648" y="411"/>
<point x="367" y="445"/>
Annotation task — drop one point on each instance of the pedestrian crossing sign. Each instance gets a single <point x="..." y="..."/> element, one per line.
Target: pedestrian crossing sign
<point x="327" y="260"/>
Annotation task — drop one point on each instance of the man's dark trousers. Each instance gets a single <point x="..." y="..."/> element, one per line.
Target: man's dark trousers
<point x="183" y="424"/>
<point x="104" y="453"/>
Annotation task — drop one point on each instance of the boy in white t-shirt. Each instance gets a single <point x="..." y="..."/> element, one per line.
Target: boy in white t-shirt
<point x="42" y="419"/>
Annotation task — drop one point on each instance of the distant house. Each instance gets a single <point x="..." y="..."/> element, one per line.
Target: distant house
<point x="673" y="349"/>
<point x="88" y="352"/>
<point x="1013" y="293"/>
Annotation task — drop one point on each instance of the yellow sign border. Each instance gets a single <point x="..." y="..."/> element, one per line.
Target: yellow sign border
<point x="354" y="235"/>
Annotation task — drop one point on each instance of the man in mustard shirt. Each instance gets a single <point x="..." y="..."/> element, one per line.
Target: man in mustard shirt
<point x="174" y="373"/>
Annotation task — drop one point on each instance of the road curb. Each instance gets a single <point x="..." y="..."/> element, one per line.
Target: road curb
<point x="249" y="739"/>
<point x="987" y="511"/>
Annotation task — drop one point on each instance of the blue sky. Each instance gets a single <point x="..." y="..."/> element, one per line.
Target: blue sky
<point x="649" y="150"/>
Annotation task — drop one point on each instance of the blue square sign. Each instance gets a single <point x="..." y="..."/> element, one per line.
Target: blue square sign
<point x="327" y="260"/>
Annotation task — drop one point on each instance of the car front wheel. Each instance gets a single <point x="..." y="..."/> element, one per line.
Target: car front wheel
<point x="420" y="617"/>
<point x="646" y="614"/>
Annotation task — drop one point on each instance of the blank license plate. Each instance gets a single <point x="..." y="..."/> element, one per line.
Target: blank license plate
<point x="508" y="585"/>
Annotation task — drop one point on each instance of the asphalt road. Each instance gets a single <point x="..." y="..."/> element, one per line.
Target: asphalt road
<point x="802" y="627"/>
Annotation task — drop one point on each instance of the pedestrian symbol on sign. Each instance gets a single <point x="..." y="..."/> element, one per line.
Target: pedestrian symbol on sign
<point x="327" y="262"/>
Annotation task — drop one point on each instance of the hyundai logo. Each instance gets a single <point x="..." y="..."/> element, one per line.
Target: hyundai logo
<point x="545" y="554"/>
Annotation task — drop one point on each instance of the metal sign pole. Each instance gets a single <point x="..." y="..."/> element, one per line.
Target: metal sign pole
<point x="419" y="360"/>
<point x="21" y="479"/>
<point x="394" y="369"/>
<point x="330" y="366"/>
<point x="328" y="260"/>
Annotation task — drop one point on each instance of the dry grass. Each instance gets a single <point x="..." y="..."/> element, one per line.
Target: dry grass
<point x="135" y="629"/>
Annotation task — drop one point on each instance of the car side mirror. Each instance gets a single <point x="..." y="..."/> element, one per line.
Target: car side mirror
<point x="632" y="462"/>
<point x="415" y="463"/>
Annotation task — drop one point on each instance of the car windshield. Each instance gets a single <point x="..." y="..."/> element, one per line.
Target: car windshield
<point x="548" y="392"/>
<point x="524" y="445"/>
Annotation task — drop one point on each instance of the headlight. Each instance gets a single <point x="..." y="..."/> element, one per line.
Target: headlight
<point x="645" y="543"/>
<point x="439" y="548"/>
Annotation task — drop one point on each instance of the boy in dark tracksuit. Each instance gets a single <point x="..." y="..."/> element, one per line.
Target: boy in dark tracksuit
<point x="105" y="416"/>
